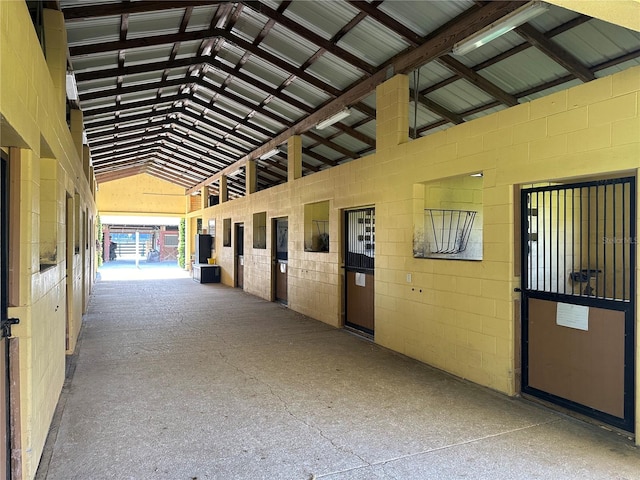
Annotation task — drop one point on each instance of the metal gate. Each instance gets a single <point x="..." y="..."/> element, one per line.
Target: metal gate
<point x="239" y="256"/>
<point x="578" y="266"/>
<point x="280" y="258"/>
<point x="360" y="237"/>
<point x="5" y="327"/>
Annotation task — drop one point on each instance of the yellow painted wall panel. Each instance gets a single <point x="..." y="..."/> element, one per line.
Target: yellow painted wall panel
<point x="614" y="109"/>
<point x="513" y="116"/>
<point x="625" y="131"/>
<point x="141" y="194"/>
<point x="549" y="105"/>
<point x="588" y="93"/>
<point x="498" y="138"/>
<point x="32" y="107"/>
<point x="625" y="82"/>
<point x="591" y="138"/>
<point x="569" y="121"/>
<point x="528" y="131"/>
<point x="548" y="147"/>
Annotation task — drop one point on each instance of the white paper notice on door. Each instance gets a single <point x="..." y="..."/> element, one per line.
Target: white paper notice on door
<point x="283" y="268"/>
<point x="361" y="279"/>
<point x="573" y="316"/>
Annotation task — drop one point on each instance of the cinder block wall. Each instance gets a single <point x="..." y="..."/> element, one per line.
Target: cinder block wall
<point x="140" y="195"/>
<point x="462" y="321"/>
<point x="34" y="128"/>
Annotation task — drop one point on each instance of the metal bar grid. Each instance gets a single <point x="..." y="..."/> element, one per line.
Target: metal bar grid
<point x="580" y="239"/>
<point x="361" y="236"/>
<point x="450" y="229"/>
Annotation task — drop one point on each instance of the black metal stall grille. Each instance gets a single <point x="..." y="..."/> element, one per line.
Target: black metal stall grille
<point x="361" y="237"/>
<point x="580" y="239"/>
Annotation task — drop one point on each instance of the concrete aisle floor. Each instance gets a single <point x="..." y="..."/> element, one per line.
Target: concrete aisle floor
<point x="177" y="380"/>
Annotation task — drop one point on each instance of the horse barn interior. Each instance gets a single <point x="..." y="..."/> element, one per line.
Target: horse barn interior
<point x="453" y="181"/>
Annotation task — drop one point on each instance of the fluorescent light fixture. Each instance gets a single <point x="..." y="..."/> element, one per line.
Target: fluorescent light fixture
<point x="500" y="27"/>
<point x="269" y="154"/>
<point x="333" y="119"/>
<point x="72" y="88"/>
<point x="476" y="174"/>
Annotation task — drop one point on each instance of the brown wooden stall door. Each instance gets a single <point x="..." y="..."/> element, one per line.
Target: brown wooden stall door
<point x="584" y="366"/>
<point x="240" y="272"/>
<point x="360" y="299"/>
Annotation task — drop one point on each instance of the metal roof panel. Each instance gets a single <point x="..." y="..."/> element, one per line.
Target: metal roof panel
<point x="521" y="71"/>
<point x="93" y="30"/>
<point x="324" y="18"/>
<point x="372" y="42"/>
<point x="334" y="71"/>
<point x="154" y="23"/>
<point x="424" y="17"/>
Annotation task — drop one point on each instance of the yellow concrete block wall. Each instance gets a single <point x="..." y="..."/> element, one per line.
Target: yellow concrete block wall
<point x="33" y="110"/>
<point x="141" y="194"/>
<point x="455" y="315"/>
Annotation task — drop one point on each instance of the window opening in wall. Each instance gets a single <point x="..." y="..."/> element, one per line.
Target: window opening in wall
<point x="48" y="213"/>
<point x="76" y="223"/>
<point x="85" y="226"/>
<point x="226" y="232"/>
<point x="260" y="230"/>
<point x="198" y="225"/>
<point x="316" y="227"/>
<point x="448" y="218"/>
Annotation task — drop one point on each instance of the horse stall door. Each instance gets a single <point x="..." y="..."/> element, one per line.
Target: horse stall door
<point x="281" y="256"/>
<point x="5" y="330"/>
<point x="239" y="255"/>
<point x="359" y="248"/>
<point x="578" y="264"/>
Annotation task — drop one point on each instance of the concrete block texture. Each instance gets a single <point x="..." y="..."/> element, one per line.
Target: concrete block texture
<point x="179" y="380"/>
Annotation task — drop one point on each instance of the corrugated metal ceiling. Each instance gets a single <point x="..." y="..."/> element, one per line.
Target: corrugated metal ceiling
<point x="184" y="89"/>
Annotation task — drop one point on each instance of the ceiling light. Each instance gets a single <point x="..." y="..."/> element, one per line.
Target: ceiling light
<point x="269" y="154"/>
<point x="333" y="119"/>
<point x="72" y="87"/>
<point x="500" y="27"/>
<point x="476" y="174"/>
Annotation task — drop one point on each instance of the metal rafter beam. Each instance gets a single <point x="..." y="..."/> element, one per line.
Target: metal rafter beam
<point x="440" y="110"/>
<point x="392" y="24"/>
<point x="312" y="37"/>
<point x="112" y="9"/>
<point x="512" y="51"/>
<point x="478" y="80"/>
<point x="434" y="46"/>
<point x="181" y="113"/>
<point x="555" y="52"/>
<point x="182" y="37"/>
